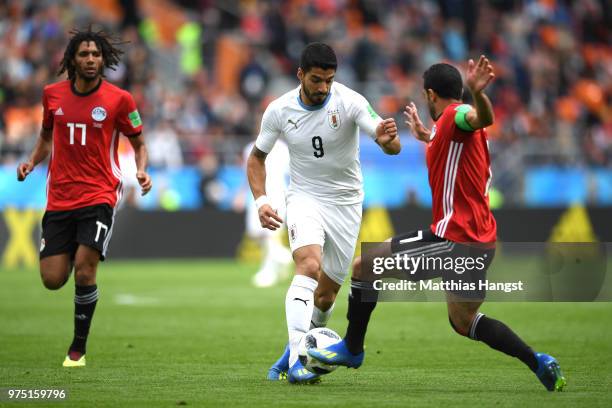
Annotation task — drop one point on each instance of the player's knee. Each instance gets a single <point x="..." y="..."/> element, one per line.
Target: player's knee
<point x="53" y="281"/>
<point x="310" y="267"/>
<point x="460" y="324"/>
<point x="82" y="278"/>
<point x="85" y="273"/>
<point x="84" y="267"/>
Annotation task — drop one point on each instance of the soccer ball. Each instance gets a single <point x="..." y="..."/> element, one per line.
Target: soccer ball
<point x="317" y="338"/>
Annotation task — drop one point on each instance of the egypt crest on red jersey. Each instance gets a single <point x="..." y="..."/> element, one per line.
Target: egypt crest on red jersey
<point x="84" y="167"/>
<point x="459" y="176"/>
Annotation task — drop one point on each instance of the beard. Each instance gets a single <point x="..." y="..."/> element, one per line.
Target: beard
<point x="315" y="98"/>
<point x="88" y="75"/>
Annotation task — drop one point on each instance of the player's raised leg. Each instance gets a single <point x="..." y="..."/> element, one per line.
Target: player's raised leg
<point x="55" y="270"/>
<point x="57" y="248"/>
<point x="85" y="300"/>
<point x="467" y="321"/>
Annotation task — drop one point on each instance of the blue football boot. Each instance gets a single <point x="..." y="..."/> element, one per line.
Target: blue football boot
<point x="298" y="374"/>
<point x="278" y="371"/>
<point x="549" y="372"/>
<point x="337" y="354"/>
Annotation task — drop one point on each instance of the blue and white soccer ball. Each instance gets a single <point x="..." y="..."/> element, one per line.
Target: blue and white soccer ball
<point x="319" y="337"/>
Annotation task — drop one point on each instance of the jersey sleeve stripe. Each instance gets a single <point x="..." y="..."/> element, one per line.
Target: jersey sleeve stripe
<point x="452" y="189"/>
<point x="114" y="166"/>
<point x="449" y="188"/>
<point x="449" y="160"/>
<point x="117" y="173"/>
<point x="451" y="192"/>
<point x="449" y="183"/>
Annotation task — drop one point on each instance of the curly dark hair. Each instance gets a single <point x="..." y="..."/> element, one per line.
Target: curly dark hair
<point x="106" y="43"/>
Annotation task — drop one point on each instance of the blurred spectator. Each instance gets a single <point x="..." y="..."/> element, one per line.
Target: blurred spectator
<point x="213" y="192"/>
<point x="164" y="147"/>
<point x="200" y="72"/>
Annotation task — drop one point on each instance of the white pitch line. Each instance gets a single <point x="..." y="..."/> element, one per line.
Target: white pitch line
<point x="128" y="299"/>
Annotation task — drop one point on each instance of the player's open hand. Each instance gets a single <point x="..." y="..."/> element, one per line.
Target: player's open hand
<point x="414" y="123"/>
<point x="269" y="218"/>
<point x="479" y="75"/>
<point x="386" y="131"/>
<point x="23" y="170"/>
<point x="145" y="182"/>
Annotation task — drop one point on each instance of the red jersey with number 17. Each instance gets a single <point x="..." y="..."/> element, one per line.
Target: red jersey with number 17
<point x="459" y="176"/>
<point x="84" y="167"/>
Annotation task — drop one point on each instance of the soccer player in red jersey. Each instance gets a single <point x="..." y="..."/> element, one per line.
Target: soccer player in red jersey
<point x="82" y="119"/>
<point x="463" y="226"/>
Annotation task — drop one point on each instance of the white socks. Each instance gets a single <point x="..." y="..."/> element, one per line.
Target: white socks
<point x="299" y="304"/>
<point x="319" y="317"/>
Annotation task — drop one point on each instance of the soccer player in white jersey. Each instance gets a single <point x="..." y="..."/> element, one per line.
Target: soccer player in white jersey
<point x="320" y="121"/>
<point x="275" y="256"/>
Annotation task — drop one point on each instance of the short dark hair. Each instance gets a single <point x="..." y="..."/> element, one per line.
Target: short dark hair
<point x="318" y="55"/>
<point x="445" y="80"/>
<point x="105" y="42"/>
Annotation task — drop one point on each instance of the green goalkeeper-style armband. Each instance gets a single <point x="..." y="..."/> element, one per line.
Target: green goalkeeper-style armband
<point x="460" y="119"/>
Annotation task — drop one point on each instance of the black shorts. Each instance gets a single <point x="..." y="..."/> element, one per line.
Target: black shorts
<point x="462" y="266"/>
<point x="64" y="231"/>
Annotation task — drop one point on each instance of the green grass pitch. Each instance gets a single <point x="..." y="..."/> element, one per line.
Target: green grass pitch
<point x="195" y="333"/>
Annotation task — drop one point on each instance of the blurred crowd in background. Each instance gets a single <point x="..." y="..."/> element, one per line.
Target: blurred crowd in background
<point x="203" y="71"/>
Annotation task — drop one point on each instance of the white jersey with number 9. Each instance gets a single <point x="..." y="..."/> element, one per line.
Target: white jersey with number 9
<point x="323" y="142"/>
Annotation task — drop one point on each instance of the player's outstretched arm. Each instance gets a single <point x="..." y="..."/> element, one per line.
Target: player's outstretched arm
<point x="40" y="152"/>
<point x="141" y="156"/>
<point x="386" y="136"/>
<point x="479" y="75"/>
<point x="256" y="174"/>
<point x="415" y="125"/>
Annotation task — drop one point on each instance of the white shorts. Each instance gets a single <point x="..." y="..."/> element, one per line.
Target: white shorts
<point x="333" y="227"/>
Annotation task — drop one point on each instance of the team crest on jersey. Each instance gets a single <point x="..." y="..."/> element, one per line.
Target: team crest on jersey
<point x="433" y="133"/>
<point x="98" y="113"/>
<point x="334" y="119"/>
<point x="43" y="243"/>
